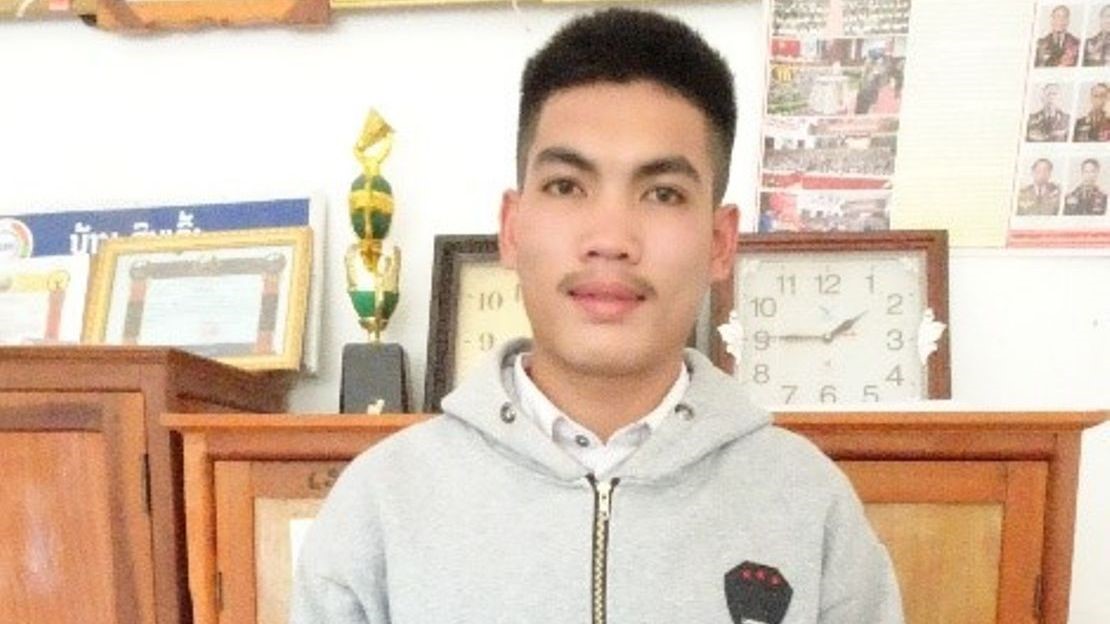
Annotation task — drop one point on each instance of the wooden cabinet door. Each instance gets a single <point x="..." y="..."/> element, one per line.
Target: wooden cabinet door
<point x="966" y="537"/>
<point x="75" y="528"/>
<point x="262" y="509"/>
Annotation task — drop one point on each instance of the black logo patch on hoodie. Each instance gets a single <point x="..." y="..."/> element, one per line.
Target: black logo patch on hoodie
<point x="757" y="593"/>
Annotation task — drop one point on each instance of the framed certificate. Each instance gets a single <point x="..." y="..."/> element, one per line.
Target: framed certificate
<point x="238" y="297"/>
<point x="476" y="305"/>
<point x="42" y="299"/>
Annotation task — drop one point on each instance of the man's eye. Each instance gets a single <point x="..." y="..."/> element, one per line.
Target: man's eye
<point x="666" y="195"/>
<point x="562" y="188"/>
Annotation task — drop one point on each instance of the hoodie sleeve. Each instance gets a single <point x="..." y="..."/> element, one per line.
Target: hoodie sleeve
<point x="857" y="581"/>
<point x="321" y="600"/>
<point x="340" y="574"/>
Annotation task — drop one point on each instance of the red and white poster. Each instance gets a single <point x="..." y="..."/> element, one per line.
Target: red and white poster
<point x="830" y="132"/>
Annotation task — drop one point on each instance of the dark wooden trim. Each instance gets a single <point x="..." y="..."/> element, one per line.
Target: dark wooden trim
<point x="934" y="244"/>
<point x="52" y="416"/>
<point x="1059" y="538"/>
<point x="451" y="252"/>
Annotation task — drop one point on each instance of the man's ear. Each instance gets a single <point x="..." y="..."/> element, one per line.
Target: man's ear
<point x="506" y="236"/>
<point x="726" y="222"/>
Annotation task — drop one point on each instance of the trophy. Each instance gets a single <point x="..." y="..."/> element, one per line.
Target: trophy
<point x="373" y="372"/>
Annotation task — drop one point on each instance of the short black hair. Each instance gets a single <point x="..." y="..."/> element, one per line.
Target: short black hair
<point x="1043" y="160"/>
<point x="1090" y="161"/>
<point x="622" y="46"/>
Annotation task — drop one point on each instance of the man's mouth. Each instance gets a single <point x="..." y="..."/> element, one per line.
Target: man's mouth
<point x="607" y="301"/>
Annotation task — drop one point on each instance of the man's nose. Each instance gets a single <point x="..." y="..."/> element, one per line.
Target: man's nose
<point x="611" y="231"/>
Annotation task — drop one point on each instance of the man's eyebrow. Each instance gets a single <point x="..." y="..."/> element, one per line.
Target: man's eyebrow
<point x="670" y="164"/>
<point x="565" y="156"/>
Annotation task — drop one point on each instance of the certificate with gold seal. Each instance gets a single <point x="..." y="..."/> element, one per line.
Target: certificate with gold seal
<point x="239" y="297"/>
<point x="42" y="300"/>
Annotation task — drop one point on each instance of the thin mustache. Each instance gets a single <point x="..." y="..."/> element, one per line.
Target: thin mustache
<point x="638" y="284"/>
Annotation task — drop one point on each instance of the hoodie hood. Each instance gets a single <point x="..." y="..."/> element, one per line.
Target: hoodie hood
<point x="714" y="412"/>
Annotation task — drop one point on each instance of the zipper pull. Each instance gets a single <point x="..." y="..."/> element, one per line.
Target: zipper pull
<point x="604" y="501"/>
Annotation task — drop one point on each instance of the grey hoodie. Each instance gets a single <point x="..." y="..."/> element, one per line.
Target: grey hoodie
<point x="477" y="517"/>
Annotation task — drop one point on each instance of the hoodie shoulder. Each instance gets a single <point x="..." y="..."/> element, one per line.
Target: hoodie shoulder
<point x="408" y="449"/>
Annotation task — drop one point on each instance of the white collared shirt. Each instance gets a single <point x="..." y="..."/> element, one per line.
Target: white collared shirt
<point x="583" y="444"/>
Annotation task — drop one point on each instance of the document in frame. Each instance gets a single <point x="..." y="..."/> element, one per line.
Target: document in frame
<point x="42" y="300"/>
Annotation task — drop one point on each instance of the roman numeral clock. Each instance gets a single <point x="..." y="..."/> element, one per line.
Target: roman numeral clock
<point x="819" y="317"/>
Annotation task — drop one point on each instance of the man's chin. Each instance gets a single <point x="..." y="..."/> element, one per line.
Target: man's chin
<point x="613" y="356"/>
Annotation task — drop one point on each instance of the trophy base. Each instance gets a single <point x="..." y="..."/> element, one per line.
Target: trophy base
<point x="373" y="380"/>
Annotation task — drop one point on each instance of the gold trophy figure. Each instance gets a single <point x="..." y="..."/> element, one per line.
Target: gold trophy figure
<point x="373" y="374"/>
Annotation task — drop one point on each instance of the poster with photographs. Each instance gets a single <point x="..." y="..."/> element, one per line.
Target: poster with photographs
<point x="830" y="130"/>
<point x="1062" y="178"/>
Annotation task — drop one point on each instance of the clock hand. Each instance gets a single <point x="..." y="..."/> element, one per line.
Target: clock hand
<point x="842" y="327"/>
<point x="799" y="338"/>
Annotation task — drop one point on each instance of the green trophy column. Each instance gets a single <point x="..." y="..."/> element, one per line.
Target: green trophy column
<point x="374" y="377"/>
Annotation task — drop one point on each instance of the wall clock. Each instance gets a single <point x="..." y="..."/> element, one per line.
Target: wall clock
<point x="811" y="318"/>
<point x="476" y="305"/>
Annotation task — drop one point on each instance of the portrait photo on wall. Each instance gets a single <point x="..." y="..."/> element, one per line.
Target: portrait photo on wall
<point x="1086" y="187"/>
<point x="1040" y="190"/>
<point x="1056" y="42"/>
<point x="1091" y="124"/>
<point x="1096" y="47"/>
<point x="1049" y="119"/>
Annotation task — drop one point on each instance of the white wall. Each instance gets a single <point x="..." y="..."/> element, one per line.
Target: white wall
<point x="90" y="119"/>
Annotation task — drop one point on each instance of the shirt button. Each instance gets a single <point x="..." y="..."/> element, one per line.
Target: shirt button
<point x="582" y="440"/>
<point x="684" y="411"/>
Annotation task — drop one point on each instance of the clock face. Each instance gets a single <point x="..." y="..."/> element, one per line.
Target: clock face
<point x="831" y="327"/>
<point x="490" y="311"/>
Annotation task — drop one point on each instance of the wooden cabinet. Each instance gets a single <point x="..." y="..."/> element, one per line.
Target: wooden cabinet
<point x="977" y="509"/>
<point x="93" y="524"/>
<point x="248" y="480"/>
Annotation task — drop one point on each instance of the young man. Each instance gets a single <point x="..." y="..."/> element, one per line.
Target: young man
<point x="602" y="472"/>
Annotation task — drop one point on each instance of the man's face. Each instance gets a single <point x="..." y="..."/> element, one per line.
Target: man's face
<point x="1104" y="19"/>
<point x="1090" y="174"/>
<point x="1042" y="171"/>
<point x="1060" y="18"/>
<point x="1098" y="98"/>
<point x="613" y="232"/>
<point x="1050" y="96"/>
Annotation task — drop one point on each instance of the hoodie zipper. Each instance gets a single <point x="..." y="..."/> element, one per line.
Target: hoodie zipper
<point x="603" y="505"/>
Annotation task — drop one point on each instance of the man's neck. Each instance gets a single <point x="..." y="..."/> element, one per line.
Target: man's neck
<point x="602" y="403"/>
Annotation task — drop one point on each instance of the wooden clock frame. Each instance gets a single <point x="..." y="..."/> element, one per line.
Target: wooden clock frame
<point x="451" y="252"/>
<point x="934" y="243"/>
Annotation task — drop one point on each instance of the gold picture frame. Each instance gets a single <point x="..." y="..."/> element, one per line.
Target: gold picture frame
<point x="188" y="292"/>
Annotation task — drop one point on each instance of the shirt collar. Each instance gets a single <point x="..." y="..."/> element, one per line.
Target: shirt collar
<point x="551" y="419"/>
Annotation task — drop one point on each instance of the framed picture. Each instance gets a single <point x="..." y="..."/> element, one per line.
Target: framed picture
<point x="238" y="297"/>
<point x="158" y="14"/>
<point x="42" y="300"/>
<point x="811" y="318"/>
<point x="80" y="232"/>
<point x="476" y="305"/>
